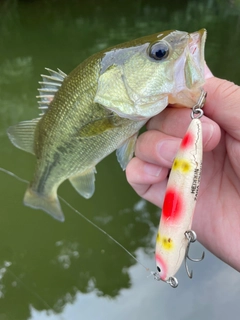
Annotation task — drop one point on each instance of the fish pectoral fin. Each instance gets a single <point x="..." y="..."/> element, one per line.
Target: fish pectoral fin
<point x="49" y="203"/>
<point x="96" y="127"/>
<point x="125" y="152"/>
<point x="22" y="135"/>
<point x="84" y="183"/>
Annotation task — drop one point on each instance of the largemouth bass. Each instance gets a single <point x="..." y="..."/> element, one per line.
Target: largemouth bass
<point x="100" y="107"/>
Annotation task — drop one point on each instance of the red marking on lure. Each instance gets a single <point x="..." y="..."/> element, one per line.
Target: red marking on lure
<point x="187" y="141"/>
<point x="172" y="205"/>
<point x="162" y="265"/>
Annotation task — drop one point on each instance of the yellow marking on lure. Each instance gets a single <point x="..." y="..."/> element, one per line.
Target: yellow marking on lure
<point x="182" y="165"/>
<point x="165" y="242"/>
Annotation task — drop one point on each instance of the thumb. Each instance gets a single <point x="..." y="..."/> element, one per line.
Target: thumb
<point x="222" y="104"/>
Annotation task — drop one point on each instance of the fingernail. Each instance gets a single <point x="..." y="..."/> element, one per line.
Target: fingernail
<point x="208" y="129"/>
<point x="167" y="150"/>
<point x="152" y="169"/>
<point x="207" y="72"/>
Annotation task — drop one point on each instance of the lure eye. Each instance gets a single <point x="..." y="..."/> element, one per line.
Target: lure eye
<point x="158" y="269"/>
<point x="159" y="51"/>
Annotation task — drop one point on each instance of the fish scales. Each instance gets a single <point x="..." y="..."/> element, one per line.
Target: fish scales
<point x="100" y="107"/>
<point x="71" y="135"/>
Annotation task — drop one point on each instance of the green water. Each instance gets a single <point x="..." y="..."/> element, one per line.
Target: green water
<point x="51" y="270"/>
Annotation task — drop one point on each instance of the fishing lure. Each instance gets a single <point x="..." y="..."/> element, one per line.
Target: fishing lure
<point x="174" y="234"/>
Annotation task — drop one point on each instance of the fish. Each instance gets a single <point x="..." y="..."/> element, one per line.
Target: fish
<point x="179" y="203"/>
<point x="100" y="107"/>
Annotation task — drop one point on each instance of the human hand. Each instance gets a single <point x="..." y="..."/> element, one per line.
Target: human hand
<point x="217" y="214"/>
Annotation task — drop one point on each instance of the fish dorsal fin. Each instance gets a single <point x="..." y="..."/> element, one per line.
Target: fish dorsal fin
<point x="125" y="152"/>
<point x="49" y="86"/>
<point x="22" y="135"/>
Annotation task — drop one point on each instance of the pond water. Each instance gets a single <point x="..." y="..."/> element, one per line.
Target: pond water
<point x="51" y="270"/>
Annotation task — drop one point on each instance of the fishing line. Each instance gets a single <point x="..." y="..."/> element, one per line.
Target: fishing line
<point x="29" y="290"/>
<point x="82" y="216"/>
<point x="104" y="232"/>
<point x="13" y="175"/>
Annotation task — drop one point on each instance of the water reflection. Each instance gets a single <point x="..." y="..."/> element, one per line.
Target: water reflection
<point x="15" y="74"/>
<point x="52" y="270"/>
<point x="147" y="299"/>
<point x="67" y="252"/>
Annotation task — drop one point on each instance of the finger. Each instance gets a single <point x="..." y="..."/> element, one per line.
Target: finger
<point x="160" y="149"/>
<point x="222" y="104"/>
<point x="148" y="187"/>
<point x="141" y="175"/>
<point x="175" y="121"/>
<point x="157" y="148"/>
<point x="155" y="193"/>
<point x="233" y="149"/>
<point x="207" y="72"/>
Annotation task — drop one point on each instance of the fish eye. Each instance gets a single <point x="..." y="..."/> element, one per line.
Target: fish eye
<point x="158" y="269"/>
<point x="159" y="51"/>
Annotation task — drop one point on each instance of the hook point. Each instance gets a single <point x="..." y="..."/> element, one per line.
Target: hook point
<point x="191" y="237"/>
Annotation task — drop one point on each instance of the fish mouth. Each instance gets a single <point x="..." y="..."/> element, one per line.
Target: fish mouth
<point x="192" y="76"/>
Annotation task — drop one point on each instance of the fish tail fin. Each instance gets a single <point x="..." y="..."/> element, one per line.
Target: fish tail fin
<point x="48" y="203"/>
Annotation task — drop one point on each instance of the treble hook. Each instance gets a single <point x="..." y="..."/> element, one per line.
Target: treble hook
<point x="191" y="237"/>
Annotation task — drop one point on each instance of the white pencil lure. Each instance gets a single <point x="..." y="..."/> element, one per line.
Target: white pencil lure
<point x="174" y="234"/>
